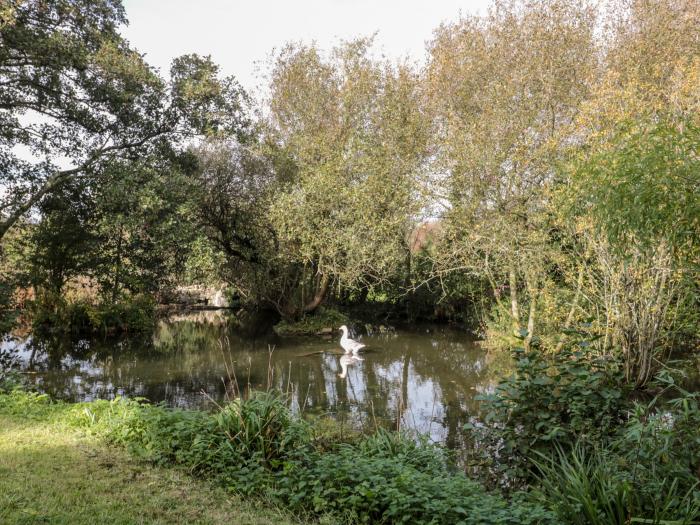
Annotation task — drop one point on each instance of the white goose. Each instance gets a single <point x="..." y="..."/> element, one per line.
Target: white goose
<point x="349" y="345"/>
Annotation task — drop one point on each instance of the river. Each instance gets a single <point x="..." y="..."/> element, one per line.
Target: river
<point x="422" y="378"/>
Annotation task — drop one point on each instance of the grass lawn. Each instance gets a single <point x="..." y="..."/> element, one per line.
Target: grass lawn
<point x="50" y="473"/>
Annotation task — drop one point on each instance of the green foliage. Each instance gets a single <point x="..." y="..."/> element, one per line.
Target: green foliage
<point x="135" y="314"/>
<point x="659" y="449"/>
<point x="51" y="312"/>
<point x="641" y="185"/>
<point x="61" y="245"/>
<point x="564" y="426"/>
<point x="67" y="62"/>
<point x="83" y="481"/>
<point x="8" y="310"/>
<point x="211" y="105"/>
<point x="261" y="427"/>
<point x="632" y="194"/>
<point x="376" y="483"/>
<point x="203" y="264"/>
<point x="29" y="405"/>
<point x="645" y="473"/>
<point x="591" y="487"/>
<point x="141" y="226"/>
<point x="229" y="199"/>
<point x="239" y="445"/>
<point x="549" y="399"/>
<point x="312" y="324"/>
<point x="353" y="126"/>
<point x="256" y="446"/>
<point x="122" y="230"/>
<point x="10" y="378"/>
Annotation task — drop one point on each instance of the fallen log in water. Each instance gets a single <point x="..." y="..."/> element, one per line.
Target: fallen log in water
<point x="318" y="352"/>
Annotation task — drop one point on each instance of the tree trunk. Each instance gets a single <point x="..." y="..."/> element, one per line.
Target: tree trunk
<point x="117" y="268"/>
<point x="514" y="307"/>
<point x="319" y="296"/>
<point x="574" y="306"/>
<point x="534" y="292"/>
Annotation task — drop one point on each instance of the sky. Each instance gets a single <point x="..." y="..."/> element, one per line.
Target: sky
<point x="240" y="35"/>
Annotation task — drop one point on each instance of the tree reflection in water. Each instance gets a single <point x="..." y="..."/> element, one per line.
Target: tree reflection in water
<point x="423" y="380"/>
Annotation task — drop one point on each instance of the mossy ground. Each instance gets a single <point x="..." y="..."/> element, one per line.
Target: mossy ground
<point x="52" y="473"/>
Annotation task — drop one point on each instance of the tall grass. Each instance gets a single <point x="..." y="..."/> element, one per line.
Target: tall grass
<point x="587" y="487"/>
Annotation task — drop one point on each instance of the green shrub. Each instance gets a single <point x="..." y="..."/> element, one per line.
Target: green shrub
<point x="263" y="426"/>
<point x="136" y="314"/>
<point x="51" y="311"/>
<point x="373" y="483"/>
<point x="10" y="378"/>
<point x="29" y="405"/>
<point x="54" y="313"/>
<point x="417" y="453"/>
<point x="256" y="446"/>
<point x="549" y="399"/>
<point x="658" y="451"/>
<point x="327" y="432"/>
<point x="240" y="444"/>
<point x="9" y="311"/>
<point x="563" y="425"/>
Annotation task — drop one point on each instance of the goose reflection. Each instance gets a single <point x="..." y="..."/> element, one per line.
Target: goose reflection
<point x="347" y="360"/>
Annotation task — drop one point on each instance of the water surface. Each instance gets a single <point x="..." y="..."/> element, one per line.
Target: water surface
<point x="422" y="378"/>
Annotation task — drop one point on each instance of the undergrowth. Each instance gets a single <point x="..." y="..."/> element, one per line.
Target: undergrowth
<point x="50" y="313"/>
<point x="567" y="428"/>
<point x="257" y="447"/>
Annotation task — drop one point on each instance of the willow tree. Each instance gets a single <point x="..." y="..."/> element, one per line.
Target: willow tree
<point x="503" y="90"/>
<point x="350" y="126"/>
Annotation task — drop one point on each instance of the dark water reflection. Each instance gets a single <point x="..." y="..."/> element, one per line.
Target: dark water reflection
<point x="424" y="379"/>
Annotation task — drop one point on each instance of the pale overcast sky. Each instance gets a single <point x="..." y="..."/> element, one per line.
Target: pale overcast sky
<point x="239" y="35"/>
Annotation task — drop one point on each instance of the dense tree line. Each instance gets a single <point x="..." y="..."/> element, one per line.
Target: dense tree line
<point x="538" y="172"/>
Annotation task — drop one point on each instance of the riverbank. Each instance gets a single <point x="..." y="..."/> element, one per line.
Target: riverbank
<point x="253" y="447"/>
<point x="606" y="458"/>
<point x="187" y="356"/>
<point x="51" y="472"/>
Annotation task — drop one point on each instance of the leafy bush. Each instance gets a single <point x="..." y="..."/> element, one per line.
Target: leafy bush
<point x="9" y="311"/>
<point x="29" y="405"/>
<point x="417" y="453"/>
<point x="136" y="314"/>
<point x="10" y="378"/>
<point x="238" y="444"/>
<point x="261" y="426"/>
<point x="658" y="451"/>
<point x="256" y="446"/>
<point x="549" y="399"/>
<point x="366" y="487"/>
<point x="563" y="425"/>
<point x="55" y="313"/>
